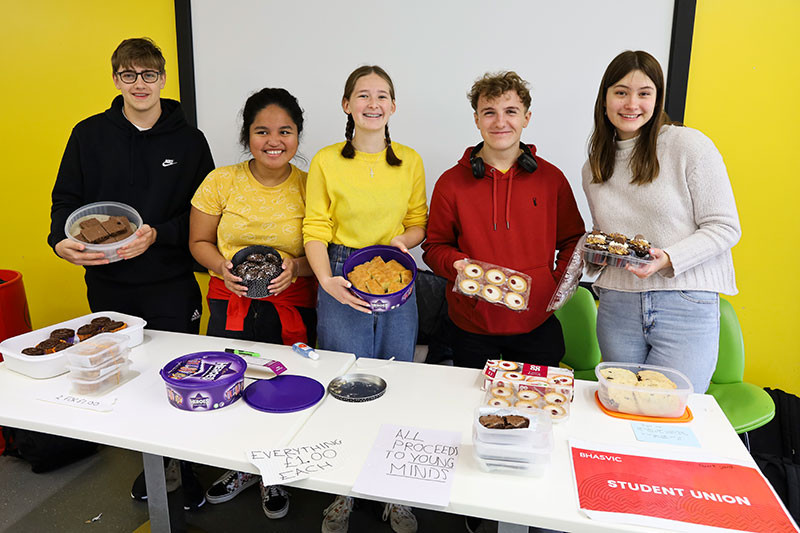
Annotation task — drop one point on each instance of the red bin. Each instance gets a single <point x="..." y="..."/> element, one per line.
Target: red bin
<point x="15" y="318"/>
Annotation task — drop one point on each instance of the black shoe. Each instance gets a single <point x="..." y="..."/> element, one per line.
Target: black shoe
<point x="472" y="523"/>
<point x="193" y="494"/>
<point x="171" y="473"/>
<point x="274" y="501"/>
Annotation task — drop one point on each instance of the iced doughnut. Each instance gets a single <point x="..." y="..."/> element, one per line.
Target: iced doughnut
<point x="501" y="392"/>
<point x="473" y="271"/>
<point x="508" y="365"/>
<point x="556" y="411"/>
<point x="495" y="276"/>
<point x="525" y="404"/>
<point x="555" y="397"/>
<point x="514" y="300"/>
<point x="469" y="286"/>
<point x="528" y="395"/>
<point x="561" y="379"/>
<point x="517" y="283"/>
<point x="513" y="376"/>
<point x="492" y="293"/>
<point x="498" y="402"/>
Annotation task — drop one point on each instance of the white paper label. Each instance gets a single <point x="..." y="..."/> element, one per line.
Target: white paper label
<point x="284" y="465"/>
<point x="103" y="405"/>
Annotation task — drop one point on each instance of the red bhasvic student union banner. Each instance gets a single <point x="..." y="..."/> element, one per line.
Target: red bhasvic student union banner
<point x="676" y="494"/>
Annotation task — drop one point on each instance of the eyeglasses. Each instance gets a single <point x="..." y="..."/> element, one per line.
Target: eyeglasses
<point x="129" y="76"/>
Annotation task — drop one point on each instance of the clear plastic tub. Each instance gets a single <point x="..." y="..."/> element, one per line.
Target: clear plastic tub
<point x="523" y="396"/>
<point x="101" y="385"/>
<point x="97" y="350"/>
<point x="536" y="434"/>
<point x="601" y="257"/>
<point x="539" y="453"/>
<point x="637" y="399"/>
<point x="95" y="372"/>
<point x="101" y="211"/>
<point x="511" y="467"/>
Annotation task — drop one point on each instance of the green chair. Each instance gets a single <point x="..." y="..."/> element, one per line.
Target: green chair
<point x="747" y="406"/>
<point x="578" y="319"/>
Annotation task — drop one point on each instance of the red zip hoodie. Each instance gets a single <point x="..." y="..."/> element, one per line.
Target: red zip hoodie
<point x="517" y="220"/>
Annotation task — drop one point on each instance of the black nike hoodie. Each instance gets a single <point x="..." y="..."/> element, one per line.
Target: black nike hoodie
<point x="155" y="171"/>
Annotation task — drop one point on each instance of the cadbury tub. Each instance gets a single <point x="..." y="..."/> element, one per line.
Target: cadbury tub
<point x="204" y="381"/>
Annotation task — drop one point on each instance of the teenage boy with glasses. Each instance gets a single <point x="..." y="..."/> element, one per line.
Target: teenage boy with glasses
<point x="141" y="152"/>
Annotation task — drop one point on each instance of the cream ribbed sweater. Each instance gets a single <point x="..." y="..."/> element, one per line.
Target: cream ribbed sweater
<point x="688" y="211"/>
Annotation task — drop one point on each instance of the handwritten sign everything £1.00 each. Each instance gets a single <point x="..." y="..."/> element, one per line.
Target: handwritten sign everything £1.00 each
<point x="410" y="464"/>
<point x="283" y="465"/>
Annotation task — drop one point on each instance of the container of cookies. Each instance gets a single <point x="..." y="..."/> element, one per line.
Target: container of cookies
<point x="536" y="435"/>
<point x="494" y="284"/>
<point x="639" y="389"/>
<point x="257" y="265"/>
<point x="389" y="270"/>
<point x="101" y="384"/>
<point x="103" y="227"/>
<point x="19" y="358"/>
<point x="204" y="381"/>
<point x="98" y="350"/>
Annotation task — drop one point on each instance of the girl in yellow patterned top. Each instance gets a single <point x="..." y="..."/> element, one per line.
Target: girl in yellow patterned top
<point x="259" y="201"/>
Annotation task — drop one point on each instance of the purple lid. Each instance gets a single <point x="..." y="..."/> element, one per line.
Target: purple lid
<point x="203" y="369"/>
<point x="284" y="393"/>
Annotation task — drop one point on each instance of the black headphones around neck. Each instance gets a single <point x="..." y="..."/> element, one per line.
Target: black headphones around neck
<point x="525" y="160"/>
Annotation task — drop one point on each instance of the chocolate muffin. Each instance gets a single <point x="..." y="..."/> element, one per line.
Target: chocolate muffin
<point x="88" y="330"/>
<point x="100" y="321"/>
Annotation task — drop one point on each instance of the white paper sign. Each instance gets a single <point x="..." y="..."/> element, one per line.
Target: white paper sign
<point x="284" y="465"/>
<point x="411" y="465"/>
<point x="102" y="404"/>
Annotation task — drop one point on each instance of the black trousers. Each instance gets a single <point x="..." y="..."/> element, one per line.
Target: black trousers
<point x="542" y="346"/>
<point x="262" y="323"/>
<point x="173" y="305"/>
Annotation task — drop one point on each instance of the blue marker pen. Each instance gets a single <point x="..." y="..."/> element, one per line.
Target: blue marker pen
<point x="305" y="350"/>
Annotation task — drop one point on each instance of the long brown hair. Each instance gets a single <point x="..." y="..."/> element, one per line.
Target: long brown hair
<point x="602" y="149"/>
<point x="348" y="150"/>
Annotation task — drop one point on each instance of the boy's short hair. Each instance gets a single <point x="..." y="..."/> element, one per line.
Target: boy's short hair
<point x="141" y="51"/>
<point x="493" y="85"/>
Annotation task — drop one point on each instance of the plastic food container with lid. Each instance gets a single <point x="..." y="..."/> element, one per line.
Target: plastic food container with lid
<point x="94" y="372"/>
<point x="204" y="381"/>
<point x="380" y="303"/>
<point x="537" y="433"/>
<point x="102" y="384"/>
<point x="102" y="211"/>
<point x="602" y="257"/>
<point x="97" y="350"/>
<point x="646" y="397"/>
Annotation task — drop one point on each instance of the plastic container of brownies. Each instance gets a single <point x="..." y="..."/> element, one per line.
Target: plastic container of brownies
<point x="536" y="435"/>
<point x="103" y="383"/>
<point x="651" y="397"/>
<point x="103" y="211"/>
<point x="53" y="364"/>
<point x="98" y="350"/>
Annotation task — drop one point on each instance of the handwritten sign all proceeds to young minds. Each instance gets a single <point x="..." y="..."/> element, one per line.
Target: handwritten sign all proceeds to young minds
<point x="411" y="465"/>
<point x="284" y="465"/>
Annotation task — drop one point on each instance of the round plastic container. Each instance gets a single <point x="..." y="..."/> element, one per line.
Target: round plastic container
<point x="204" y="381"/>
<point x="256" y="288"/>
<point x="103" y="209"/>
<point x="380" y="303"/>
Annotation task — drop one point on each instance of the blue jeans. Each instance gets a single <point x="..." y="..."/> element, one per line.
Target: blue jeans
<point x="675" y="329"/>
<point x="379" y="335"/>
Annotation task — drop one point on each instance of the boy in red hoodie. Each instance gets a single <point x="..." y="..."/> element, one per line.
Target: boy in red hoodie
<point x="503" y="204"/>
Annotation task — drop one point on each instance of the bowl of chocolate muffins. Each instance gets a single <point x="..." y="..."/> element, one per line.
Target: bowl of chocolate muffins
<point x="257" y="265"/>
<point x="103" y="227"/>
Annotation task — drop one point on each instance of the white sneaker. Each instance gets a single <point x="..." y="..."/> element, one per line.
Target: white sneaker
<point x="400" y="518"/>
<point x="229" y="485"/>
<point x="337" y="515"/>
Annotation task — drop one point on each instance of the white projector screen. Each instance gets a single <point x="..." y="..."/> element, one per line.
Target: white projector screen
<point x="434" y="51"/>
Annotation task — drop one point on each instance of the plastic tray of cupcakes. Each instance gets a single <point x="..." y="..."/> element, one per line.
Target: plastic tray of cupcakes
<point x="495" y="284"/>
<point x="616" y="250"/>
<point x="42" y="353"/>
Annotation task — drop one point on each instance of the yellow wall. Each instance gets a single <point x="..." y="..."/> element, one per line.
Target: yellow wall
<point x="56" y="66"/>
<point x="744" y="93"/>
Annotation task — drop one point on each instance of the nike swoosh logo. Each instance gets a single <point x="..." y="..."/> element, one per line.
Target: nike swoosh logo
<point x="169" y="163"/>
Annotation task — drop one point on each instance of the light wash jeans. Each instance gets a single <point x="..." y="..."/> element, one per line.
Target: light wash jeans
<point x="675" y="329"/>
<point x="379" y="335"/>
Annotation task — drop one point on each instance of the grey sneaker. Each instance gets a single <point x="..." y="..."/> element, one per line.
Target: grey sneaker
<point x="229" y="485"/>
<point x="337" y="515"/>
<point x="274" y="501"/>
<point x="400" y="518"/>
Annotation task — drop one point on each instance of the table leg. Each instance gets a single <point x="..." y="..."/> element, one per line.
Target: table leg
<point x="505" y="527"/>
<point x="156" y="482"/>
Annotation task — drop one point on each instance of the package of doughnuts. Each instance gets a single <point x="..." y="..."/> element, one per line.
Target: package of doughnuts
<point x="494" y="284"/>
<point x="525" y="386"/>
<point x="569" y="279"/>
